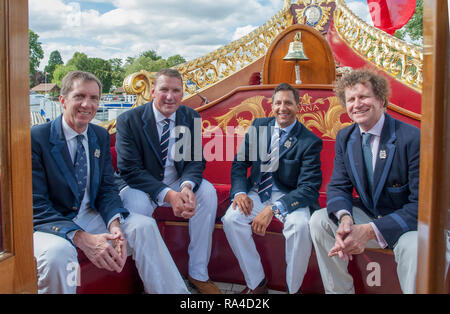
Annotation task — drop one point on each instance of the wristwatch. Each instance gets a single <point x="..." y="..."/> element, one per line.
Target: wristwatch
<point x="343" y="215"/>
<point x="275" y="209"/>
<point x="186" y="185"/>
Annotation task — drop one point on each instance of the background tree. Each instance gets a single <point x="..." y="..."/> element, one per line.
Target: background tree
<point x="54" y="60"/>
<point x="80" y="61"/>
<point x="145" y="63"/>
<point x="151" y="62"/>
<point x="175" y="60"/>
<point x="117" y="72"/>
<point x="36" y="53"/>
<point x="151" y="54"/>
<point x="414" y="28"/>
<point x="60" y="71"/>
<point x="97" y="66"/>
<point x="102" y="69"/>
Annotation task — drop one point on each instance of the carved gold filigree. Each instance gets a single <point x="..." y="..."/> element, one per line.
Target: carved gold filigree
<point x="308" y="2"/>
<point x="205" y="71"/>
<point x="401" y="60"/>
<point x="252" y="105"/>
<point x="110" y="126"/>
<point x="139" y="84"/>
<point x="326" y="122"/>
<point x="314" y="14"/>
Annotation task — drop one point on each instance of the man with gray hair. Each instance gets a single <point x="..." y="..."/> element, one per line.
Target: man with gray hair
<point x="379" y="157"/>
<point x="77" y="205"/>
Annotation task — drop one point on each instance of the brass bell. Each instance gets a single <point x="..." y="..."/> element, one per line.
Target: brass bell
<point x="295" y="52"/>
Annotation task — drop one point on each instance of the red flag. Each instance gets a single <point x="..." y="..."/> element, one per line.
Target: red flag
<point x="390" y="15"/>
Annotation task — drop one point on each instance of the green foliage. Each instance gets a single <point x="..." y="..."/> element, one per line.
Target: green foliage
<point x="111" y="72"/>
<point x="151" y="54"/>
<point x="54" y="60"/>
<point x="35" y="51"/>
<point x="414" y="28"/>
<point x="151" y="62"/>
<point x="117" y="72"/>
<point x="60" y="71"/>
<point x="97" y="66"/>
<point x="145" y="63"/>
<point x="175" y="60"/>
<point x="80" y="61"/>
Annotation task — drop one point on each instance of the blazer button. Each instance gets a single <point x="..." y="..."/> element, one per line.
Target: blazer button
<point x="74" y="208"/>
<point x="379" y="216"/>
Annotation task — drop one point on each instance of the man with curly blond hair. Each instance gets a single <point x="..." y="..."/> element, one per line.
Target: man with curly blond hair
<point x="379" y="157"/>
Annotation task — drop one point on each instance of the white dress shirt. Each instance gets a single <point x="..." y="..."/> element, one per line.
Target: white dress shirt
<point x="71" y="140"/>
<point x="374" y="145"/>
<point x="170" y="172"/>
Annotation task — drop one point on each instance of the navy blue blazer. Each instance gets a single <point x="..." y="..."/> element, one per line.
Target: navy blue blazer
<point x="299" y="175"/>
<point x="393" y="203"/>
<point x="55" y="191"/>
<point x="139" y="151"/>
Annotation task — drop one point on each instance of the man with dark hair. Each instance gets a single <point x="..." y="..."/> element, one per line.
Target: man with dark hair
<point x="284" y="182"/>
<point x="159" y="172"/>
<point x="77" y="205"/>
<point x="379" y="157"/>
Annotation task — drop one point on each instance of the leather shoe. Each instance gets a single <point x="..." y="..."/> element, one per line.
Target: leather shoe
<point x="204" y="287"/>
<point x="261" y="289"/>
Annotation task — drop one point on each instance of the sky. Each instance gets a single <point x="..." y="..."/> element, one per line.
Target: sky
<point x="125" y="28"/>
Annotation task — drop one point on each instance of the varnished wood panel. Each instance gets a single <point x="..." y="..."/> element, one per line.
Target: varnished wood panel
<point x="16" y="150"/>
<point x="435" y="155"/>
<point x="319" y="69"/>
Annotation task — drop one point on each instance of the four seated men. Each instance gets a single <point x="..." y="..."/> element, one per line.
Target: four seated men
<point x="76" y="202"/>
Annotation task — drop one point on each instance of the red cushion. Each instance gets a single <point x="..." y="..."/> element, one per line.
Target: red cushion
<point x="114" y="157"/>
<point x="96" y="280"/>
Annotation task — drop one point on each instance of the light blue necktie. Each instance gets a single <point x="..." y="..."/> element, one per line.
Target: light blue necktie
<point x="80" y="167"/>
<point x="367" y="154"/>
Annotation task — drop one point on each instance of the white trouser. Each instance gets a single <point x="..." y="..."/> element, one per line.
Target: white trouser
<point x="297" y="246"/>
<point x="201" y="225"/>
<point x="335" y="276"/>
<point x="57" y="262"/>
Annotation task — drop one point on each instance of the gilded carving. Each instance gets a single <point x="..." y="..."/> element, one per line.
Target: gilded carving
<point x="394" y="56"/>
<point x="253" y="105"/>
<point x="205" y="71"/>
<point x="139" y="84"/>
<point x="328" y="122"/>
<point x="314" y="14"/>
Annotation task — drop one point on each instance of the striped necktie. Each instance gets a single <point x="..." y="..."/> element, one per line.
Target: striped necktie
<point x="80" y="167"/>
<point x="367" y="154"/>
<point x="165" y="140"/>
<point x="265" y="185"/>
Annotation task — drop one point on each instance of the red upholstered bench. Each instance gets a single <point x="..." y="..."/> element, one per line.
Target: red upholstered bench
<point x="223" y="265"/>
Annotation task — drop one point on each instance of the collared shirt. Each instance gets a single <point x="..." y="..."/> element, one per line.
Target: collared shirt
<point x="375" y="140"/>
<point x="71" y="140"/>
<point x="170" y="172"/>
<point x="275" y="188"/>
<point x="283" y="139"/>
<point x="374" y="145"/>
